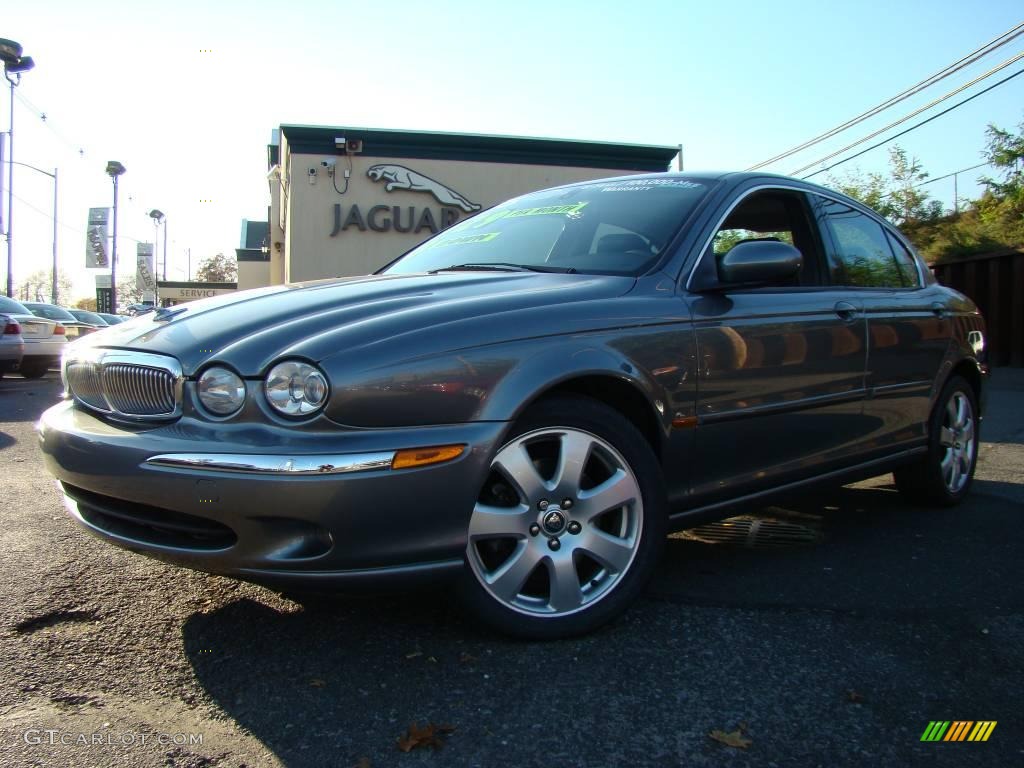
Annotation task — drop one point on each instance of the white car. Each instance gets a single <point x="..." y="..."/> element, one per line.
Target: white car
<point x="44" y="339"/>
<point x="12" y="346"/>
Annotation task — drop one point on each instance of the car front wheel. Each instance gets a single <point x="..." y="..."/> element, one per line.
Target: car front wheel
<point x="944" y="474"/>
<point x="569" y="525"/>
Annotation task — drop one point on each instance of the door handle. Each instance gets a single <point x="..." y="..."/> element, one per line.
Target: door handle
<point x="846" y="311"/>
<point x="939" y="310"/>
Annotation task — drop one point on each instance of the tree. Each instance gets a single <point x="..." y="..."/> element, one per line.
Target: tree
<point x="218" y="269"/>
<point x="87" y="304"/>
<point x="128" y="292"/>
<point x="37" y="287"/>
<point x="897" y="195"/>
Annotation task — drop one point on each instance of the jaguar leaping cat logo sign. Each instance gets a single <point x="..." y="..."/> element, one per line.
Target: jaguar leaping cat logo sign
<point x="400" y="177"/>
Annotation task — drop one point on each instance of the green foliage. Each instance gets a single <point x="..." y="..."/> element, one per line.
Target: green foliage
<point x="898" y="196"/>
<point x="38" y="286"/>
<point x="217" y="269"/>
<point x="993" y="222"/>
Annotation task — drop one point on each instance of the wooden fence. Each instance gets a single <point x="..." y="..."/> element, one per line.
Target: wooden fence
<point x="995" y="281"/>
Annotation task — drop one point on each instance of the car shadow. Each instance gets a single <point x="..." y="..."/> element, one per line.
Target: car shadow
<point x="25" y="399"/>
<point x="352" y="674"/>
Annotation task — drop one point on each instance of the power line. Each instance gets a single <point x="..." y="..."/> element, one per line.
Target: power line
<point x="78" y="149"/>
<point x="915" y="113"/>
<point x="954" y="173"/>
<point x="956" y="66"/>
<point x="916" y="125"/>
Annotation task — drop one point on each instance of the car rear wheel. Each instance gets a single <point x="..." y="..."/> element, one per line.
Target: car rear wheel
<point x="944" y="474"/>
<point x="569" y="525"/>
<point x="34" y="369"/>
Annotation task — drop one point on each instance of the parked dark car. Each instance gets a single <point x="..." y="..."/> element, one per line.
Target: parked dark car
<point x="92" y="318"/>
<point x="529" y="401"/>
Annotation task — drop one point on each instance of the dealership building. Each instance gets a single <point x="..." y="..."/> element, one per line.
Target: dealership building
<point x="346" y="201"/>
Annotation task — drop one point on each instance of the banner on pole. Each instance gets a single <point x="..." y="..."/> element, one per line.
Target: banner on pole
<point x="144" y="267"/>
<point x="96" y="239"/>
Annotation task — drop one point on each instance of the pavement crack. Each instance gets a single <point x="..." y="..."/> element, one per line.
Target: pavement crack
<point x="52" y="618"/>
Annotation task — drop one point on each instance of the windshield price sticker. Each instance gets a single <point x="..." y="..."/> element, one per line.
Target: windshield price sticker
<point x="546" y="210"/>
<point x="635" y="185"/>
<point x="465" y="239"/>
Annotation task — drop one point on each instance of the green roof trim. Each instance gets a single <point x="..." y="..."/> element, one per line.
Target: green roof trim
<point x="485" y="148"/>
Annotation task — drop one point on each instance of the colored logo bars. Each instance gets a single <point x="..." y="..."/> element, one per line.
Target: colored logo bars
<point x="959" y="730"/>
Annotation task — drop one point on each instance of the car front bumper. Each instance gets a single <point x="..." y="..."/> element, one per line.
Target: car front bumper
<point x="271" y="503"/>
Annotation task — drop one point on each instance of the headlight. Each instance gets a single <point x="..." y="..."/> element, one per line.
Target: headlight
<point x="221" y="391"/>
<point x="295" y="388"/>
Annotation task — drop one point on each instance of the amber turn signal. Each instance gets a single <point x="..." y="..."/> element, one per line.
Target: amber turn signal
<point x="421" y="457"/>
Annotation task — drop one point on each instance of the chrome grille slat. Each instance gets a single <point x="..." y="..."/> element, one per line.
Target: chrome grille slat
<point x="133" y="385"/>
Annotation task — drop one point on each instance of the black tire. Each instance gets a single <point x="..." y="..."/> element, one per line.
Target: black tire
<point x="927" y="481"/>
<point x="618" y="463"/>
<point x="34" y="369"/>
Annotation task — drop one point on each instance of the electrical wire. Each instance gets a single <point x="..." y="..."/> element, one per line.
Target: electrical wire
<point x="954" y="173"/>
<point x="78" y="149"/>
<point x="915" y="126"/>
<point x="915" y="113"/>
<point x="956" y="66"/>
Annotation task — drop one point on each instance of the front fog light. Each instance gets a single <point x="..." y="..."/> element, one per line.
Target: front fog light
<point x="295" y="388"/>
<point x="221" y="391"/>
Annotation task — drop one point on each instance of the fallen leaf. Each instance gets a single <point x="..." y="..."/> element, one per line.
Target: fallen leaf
<point x="732" y="738"/>
<point x="316" y="682"/>
<point x="431" y="658"/>
<point x="427" y="736"/>
<point x="414" y="654"/>
<point x="854" y="697"/>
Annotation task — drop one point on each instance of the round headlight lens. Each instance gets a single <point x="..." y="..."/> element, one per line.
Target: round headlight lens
<point x="221" y="391"/>
<point x="295" y="388"/>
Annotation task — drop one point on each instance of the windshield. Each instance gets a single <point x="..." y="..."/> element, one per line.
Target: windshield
<point x="11" y="307"/>
<point x="50" y="312"/>
<point x="88" y="317"/>
<point x="616" y="227"/>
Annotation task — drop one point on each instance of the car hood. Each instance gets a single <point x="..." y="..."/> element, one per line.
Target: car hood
<point x="422" y="314"/>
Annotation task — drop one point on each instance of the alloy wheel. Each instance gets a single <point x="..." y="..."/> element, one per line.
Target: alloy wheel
<point x="557" y="524"/>
<point x="957" y="438"/>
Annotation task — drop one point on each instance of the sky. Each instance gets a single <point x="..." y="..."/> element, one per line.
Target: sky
<point x="185" y="95"/>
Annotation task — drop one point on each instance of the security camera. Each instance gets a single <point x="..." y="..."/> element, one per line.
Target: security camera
<point x="312" y="171"/>
<point x="329" y="163"/>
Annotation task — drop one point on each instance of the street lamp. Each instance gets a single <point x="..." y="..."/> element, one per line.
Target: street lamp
<point x="14" y="65"/>
<point x="114" y="170"/>
<point x="160" y="218"/>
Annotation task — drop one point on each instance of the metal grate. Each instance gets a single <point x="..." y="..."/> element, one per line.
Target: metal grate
<point x="137" y="390"/>
<point x="133" y="385"/>
<point x="756" y="533"/>
<point x="84" y="382"/>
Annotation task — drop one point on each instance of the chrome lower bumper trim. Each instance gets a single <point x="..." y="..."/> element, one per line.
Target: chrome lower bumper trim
<point x="268" y="464"/>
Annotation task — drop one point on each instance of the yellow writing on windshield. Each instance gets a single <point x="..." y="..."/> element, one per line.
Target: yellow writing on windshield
<point x="544" y="210"/>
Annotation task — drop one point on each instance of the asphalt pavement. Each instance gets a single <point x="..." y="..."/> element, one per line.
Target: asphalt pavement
<point x="828" y="631"/>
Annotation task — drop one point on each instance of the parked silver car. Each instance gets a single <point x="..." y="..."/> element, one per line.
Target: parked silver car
<point x="44" y="339"/>
<point x="74" y="328"/>
<point x="12" y="346"/>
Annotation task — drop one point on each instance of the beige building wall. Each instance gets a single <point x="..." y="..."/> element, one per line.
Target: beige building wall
<point x="253" y="274"/>
<point x="311" y="252"/>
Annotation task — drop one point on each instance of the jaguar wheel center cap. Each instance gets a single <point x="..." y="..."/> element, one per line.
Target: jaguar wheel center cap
<point x="554" y="522"/>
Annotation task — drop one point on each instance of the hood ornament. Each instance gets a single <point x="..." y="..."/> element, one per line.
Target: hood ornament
<point x="166" y="313"/>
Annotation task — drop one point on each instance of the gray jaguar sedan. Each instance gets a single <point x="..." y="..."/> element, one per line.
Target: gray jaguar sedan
<point x="528" y="402"/>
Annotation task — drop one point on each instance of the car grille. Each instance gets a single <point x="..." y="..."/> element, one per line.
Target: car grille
<point x="122" y="384"/>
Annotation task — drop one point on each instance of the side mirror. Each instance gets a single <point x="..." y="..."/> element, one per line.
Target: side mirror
<point x="759" y="262"/>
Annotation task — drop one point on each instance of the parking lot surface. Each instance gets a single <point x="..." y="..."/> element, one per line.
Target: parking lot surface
<point x="827" y="631"/>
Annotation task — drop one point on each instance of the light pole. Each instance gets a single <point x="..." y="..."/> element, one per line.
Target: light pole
<point x="158" y="218"/>
<point x="14" y="65"/>
<point x="53" y="276"/>
<point x="114" y="170"/>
